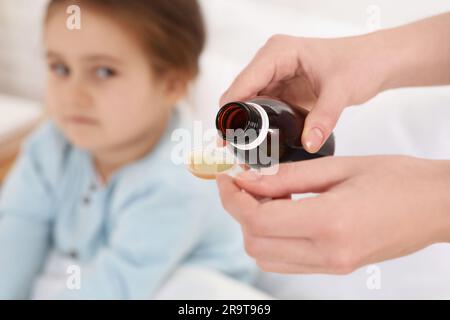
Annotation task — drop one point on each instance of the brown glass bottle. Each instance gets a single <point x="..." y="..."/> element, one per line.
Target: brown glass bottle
<point x="269" y="120"/>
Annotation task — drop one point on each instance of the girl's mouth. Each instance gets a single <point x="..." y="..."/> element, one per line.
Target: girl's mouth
<point x="81" y="120"/>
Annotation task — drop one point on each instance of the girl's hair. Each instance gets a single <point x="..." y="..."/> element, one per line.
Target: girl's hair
<point x="170" y="31"/>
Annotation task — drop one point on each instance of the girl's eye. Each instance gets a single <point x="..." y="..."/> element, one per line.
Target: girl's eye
<point x="60" y="69"/>
<point x="104" y="73"/>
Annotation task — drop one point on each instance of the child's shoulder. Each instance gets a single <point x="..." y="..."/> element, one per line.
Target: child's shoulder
<point x="166" y="185"/>
<point x="46" y="147"/>
<point x="46" y="137"/>
<point x="162" y="178"/>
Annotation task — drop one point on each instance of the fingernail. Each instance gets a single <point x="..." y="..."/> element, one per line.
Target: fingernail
<point x="314" y="140"/>
<point x="250" y="175"/>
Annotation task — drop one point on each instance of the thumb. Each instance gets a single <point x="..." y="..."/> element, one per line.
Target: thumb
<point x="315" y="176"/>
<point x="321" y="120"/>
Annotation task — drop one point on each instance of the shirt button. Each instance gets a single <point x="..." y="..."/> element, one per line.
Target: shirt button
<point x="86" y="200"/>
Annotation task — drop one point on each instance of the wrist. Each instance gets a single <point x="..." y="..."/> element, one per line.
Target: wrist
<point x="393" y="58"/>
<point x="374" y="63"/>
<point x="442" y="201"/>
<point x="446" y="196"/>
<point x="415" y="54"/>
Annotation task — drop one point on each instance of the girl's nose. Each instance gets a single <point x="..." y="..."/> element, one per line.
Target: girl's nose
<point x="78" y="95"/>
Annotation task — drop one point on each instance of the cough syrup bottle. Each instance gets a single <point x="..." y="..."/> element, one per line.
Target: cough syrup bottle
<point x="265" y="131"/>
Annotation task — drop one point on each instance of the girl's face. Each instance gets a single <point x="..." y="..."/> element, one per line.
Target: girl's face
<point x="100" y="88"/>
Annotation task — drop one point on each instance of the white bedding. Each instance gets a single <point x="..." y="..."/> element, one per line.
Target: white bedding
<point x="188" y="282"/>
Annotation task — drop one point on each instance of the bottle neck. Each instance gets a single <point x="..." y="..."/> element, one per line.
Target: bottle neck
<point x="244" y="124"/>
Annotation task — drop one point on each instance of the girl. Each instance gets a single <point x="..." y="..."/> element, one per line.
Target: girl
<point x="96" y="182"/>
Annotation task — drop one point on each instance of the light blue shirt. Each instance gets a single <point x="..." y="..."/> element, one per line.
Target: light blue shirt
<point x="127" y="236"/>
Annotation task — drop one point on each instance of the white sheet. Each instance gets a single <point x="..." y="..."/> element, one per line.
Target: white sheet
<point x="188" y="282"/>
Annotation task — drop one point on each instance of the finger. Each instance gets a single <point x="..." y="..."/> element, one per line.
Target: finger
<point x="270" y="65"/>
<point x="289" y="268"/>
<point x="275" y="89"/>
<point x="299" y="92"/>
<point x="322" y="119"/>
<point x="235" y="201"/>
<point x="287" y="218"/>
<point x="260" y="199"/>
<point x="254" y="78"/>
<point x="276" y="218"/>
<point x="298" y="251"/>
<point x="314" y="176"/>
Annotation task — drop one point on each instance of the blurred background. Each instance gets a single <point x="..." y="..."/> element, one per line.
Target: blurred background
<point x="248" y="21"/>
<point x="236" y="29"/>
<point x="407" y="121"/>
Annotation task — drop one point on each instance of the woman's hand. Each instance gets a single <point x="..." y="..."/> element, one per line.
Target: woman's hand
<point x="323" y="75"/>
<point x="368" y="209"/>
<point x="327" y="75"/>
